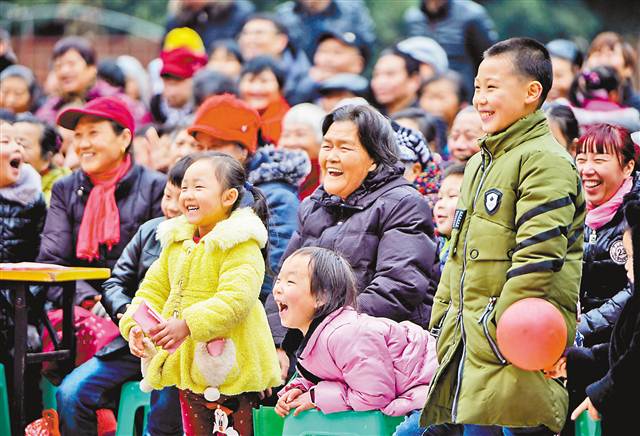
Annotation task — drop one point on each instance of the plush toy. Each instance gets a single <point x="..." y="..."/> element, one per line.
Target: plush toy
<point x="214" y="360"/>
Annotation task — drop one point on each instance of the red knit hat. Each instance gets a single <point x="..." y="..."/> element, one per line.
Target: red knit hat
<point x="228" y="118"/>
<point x="181" y="62"/>
<point x="109" y="108"/>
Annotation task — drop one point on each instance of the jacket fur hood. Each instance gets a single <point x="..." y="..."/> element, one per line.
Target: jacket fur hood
<point x="241" y="226"/>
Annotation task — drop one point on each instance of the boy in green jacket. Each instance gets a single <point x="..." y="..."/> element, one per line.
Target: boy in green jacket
<point x="517" y="233"/>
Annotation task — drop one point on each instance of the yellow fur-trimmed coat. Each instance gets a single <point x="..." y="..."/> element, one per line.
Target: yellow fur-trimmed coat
<point x="214" y="286"/>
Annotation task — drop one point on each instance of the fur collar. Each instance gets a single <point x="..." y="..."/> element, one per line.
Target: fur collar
<point x="241" y="226"/>
<point x="27" y="189"/>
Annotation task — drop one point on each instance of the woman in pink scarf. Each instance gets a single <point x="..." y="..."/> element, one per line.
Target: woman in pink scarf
<point x="95" y="211"/>
<point x="606" y="159"/>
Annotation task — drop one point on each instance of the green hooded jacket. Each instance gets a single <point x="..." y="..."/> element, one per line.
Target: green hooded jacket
<point x="517" y="233"/>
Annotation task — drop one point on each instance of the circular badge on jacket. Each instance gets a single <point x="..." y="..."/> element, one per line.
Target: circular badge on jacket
<point x="617" y="253"/>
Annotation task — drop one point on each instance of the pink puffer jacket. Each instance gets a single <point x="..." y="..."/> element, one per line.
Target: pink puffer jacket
<point x="358" y="362"/>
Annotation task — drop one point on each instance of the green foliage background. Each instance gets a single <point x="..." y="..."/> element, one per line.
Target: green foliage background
<point x="542" y="19"/>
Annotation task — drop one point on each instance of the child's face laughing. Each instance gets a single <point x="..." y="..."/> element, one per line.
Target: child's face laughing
<point x="292" y="293"/>
<point x="445" y="208"/>
<point x="502" y="96"/>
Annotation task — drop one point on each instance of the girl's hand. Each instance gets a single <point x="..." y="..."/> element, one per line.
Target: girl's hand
<point x="284" y="361"/>
<point x="588" y="406"/>
<point x="558" y="370"/>
<point x="170" y="332"/>
<point x="135" y="342"/>
<point x="282" y="407"/>
<point x="302" y="403"/>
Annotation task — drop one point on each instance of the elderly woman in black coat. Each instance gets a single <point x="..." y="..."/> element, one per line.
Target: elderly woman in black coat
<point x="369" y="213"/>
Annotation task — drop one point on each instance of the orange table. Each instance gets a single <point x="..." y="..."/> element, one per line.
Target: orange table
<point x="17" y="278"/>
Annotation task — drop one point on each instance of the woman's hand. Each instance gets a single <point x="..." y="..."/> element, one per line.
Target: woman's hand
<point x="301" y="403"/>
<point x="589" y="407"/>
<point x="282" y="407"/>
<point x="284" y="361"/>
<point x="135" y="342"/>
<point x="558" y="370"/>
<point x="169" y="333"/>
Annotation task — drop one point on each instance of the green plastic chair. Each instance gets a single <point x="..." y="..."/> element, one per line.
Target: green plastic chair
<point x="316" y="423"/>
<point x="131" y="399"/>
<point x="266" y="422"/>
<point x="48" y="394"/>
<point x="585" y="426"/>
<point x="5" y="417"/>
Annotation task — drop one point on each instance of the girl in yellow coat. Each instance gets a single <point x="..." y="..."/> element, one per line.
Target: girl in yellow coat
<point x="206" y="285"/>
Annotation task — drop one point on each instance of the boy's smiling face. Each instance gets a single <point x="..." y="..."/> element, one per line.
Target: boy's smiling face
<point x="502" y="95"/>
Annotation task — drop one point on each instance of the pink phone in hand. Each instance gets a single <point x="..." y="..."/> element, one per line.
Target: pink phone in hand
<point x="147" y="318"/>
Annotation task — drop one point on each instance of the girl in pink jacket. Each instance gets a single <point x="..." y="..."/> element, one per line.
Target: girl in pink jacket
<point x="349" y="361"/>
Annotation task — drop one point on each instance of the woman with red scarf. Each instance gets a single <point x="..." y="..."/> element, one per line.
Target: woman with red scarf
<point x="95" y="211"/>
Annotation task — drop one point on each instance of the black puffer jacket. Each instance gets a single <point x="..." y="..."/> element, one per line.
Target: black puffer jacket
<point x="604" y="288"/>
<point x="119" y="289"/>
<point x="138" y="197"/>
<point x="22" y="212"/>
<point x="608" y="373"/>
<point x="384" y="229"/>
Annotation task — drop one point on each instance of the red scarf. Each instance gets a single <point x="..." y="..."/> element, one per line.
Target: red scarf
<point x="101" y="218"/>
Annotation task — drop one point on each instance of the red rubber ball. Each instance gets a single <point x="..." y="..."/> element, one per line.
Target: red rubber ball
<point x="532" y="334"/>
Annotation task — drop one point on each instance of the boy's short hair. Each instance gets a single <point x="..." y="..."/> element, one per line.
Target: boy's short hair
<point x="176" y="173"/>
<point x="530" y="59"/>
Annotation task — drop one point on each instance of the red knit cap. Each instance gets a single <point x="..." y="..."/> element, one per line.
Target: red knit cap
<point x="181" y="62"/>
<point x="228" y="118"/>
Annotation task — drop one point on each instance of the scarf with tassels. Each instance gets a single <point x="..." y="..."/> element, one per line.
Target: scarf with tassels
<point x="101" y="218"/>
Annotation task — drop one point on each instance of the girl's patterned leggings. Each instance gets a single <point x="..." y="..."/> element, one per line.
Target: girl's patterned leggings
<point x="201" y="417"/>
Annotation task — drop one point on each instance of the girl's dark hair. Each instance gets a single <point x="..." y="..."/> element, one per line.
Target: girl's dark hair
<point x="565" y="119"/>
<point x="454" y="170"/>
<point x="608" y="139"/>
<point x="264" y="63"/>
<point x="374" y="131"/>
<point x="207" y="83"/>
<point x="50" y="140"/>
<point x="452" y="77"/>
<point x="585" y="84"/>
<point x="77" y="43"/>
<point x="332" y="279"/>
<point x="230" y="46"/>
<point x="176" y="173"/>
<point x="231" y="174"/>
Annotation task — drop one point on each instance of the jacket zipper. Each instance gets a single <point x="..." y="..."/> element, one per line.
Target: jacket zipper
<point x="456" y="397"/>
<point x="484" y="320"/>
